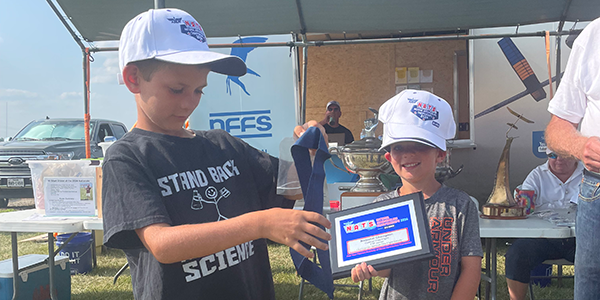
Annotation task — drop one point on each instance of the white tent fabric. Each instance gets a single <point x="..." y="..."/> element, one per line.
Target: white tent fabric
<point x="103" y="20"/>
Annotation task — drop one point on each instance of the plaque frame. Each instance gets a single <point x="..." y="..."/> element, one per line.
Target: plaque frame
<point x="402" y="217"/>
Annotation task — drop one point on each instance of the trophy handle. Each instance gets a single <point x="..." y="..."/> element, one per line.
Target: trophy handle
<point x="336" y="166"/>
<point x="334" y="150"/>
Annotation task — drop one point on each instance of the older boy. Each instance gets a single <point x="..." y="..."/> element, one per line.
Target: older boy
<point x="191" y="209"/>
<point x="416" y="127"/>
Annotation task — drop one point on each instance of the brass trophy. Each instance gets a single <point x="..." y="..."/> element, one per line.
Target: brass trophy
<point x="501" y="204"/>
<point x="364" y="158"/>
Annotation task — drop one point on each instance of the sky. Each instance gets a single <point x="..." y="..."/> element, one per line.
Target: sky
<point x="41" y="72"/>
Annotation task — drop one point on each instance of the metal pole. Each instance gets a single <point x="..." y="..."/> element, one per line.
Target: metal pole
<point x="71" y="31"/>
<point x="15" y="260"/>
<point x="304" y="68"/>
<point x="86" y="101"/>
<point x="159" y="4"/>
<point x="305" y="43"/>
<point x="51" y="264"/>
<point x="558" y="61"/>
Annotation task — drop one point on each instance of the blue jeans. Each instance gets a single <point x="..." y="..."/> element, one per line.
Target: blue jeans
<point x="587" y="256"/>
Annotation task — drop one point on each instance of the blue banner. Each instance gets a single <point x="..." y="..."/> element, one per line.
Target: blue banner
<point x="259" y="107"/>
<point x="538" y="144"/>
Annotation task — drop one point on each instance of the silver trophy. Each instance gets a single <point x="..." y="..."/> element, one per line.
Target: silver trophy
<point x="364" y="158"/>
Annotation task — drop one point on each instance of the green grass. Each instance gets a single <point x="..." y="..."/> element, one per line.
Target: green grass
<point x="98" y="283"/>
<point x="95" y="285"/>
<point x="550" y="292"/>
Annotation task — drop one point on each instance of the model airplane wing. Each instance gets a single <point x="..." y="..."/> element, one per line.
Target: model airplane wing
<point x="522" y="67"/>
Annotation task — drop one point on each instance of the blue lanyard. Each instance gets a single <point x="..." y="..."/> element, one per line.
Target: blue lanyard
<point x="311" y="181"/>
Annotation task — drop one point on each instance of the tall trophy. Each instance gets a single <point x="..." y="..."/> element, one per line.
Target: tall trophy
<point x="501" y="204"/>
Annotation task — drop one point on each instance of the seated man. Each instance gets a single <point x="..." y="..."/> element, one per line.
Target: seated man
<point x="556" y="184"/>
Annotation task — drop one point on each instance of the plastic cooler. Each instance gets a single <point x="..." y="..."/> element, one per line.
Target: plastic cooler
<point x="34" y="283"/>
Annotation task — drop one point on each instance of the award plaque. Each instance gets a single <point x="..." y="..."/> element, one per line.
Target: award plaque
<point x="382" y="234"/>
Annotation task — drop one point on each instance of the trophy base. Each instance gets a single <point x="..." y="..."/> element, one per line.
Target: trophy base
<point x="370" y="187"/>
<point x="494" y="211"/>
<point x="353" y="199"/>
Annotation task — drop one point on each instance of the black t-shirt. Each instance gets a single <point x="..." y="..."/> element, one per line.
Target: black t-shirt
<point x="349" y="138"/>
<point x="151" y="178"/>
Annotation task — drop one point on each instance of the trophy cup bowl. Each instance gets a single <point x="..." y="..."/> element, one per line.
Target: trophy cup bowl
<point x="365" y="159"/>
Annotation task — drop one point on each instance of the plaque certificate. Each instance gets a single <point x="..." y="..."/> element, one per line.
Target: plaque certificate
<point x="381" y="234"/>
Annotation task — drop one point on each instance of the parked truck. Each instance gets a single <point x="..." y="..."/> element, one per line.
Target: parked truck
<point x="59" y="139"/>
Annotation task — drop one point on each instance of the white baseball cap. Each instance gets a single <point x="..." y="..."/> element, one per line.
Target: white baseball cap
<point x="330" y="103"/>
<point x="172" y="35"/>
<point x="417" y="116"/>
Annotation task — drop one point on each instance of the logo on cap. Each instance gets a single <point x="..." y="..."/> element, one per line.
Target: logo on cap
<point x="175" y="20"/>
<point x="194" y="30"/>
<point x="412" y="100"/>
<point x="425" y="112"/>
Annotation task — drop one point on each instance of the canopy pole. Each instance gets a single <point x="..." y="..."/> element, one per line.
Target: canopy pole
<point x="304" y="68"/>
<point x="159" y="4"/>
<point x="369" y="41"/>
<point x="558" y="60"/>
<point x="561" y="24"/>
<point x="86" y="97"/>
<point x="69" y="29"/>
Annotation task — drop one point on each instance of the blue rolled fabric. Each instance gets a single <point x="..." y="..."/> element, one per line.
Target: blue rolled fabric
<point x="311" y="182"/>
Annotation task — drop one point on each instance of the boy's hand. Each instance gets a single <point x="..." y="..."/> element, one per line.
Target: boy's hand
<point x="299" y="130"/>
<point x="362" y="272"/>
<point x="289" y="227"/>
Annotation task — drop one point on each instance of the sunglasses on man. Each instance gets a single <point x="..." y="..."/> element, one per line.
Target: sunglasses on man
<point x="552" y="155"/>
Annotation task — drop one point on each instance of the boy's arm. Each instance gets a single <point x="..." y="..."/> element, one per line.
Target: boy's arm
<point x="170" y="244"/>
<point x="468" y="281"/>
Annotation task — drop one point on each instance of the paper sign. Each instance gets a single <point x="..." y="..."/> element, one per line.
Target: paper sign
<point x="426" y="76"/>
<point x="400" y="88"/>
<point x="69" y="196"/>
<point x="401" y="75"/>
<point x="413" y="75"/>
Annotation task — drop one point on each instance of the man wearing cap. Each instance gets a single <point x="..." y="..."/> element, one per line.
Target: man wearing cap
<point x="577" y="105"/>
<point x="191" y="209"/>
<point x="331" y="122"/>
<point x="556" y="185"/>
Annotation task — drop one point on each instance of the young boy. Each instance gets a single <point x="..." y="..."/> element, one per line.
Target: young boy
<point x="191" y="209"/>
<point x="416" y="127"/>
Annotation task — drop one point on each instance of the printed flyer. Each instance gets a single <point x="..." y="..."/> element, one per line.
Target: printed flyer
<point x="70" y="196"/>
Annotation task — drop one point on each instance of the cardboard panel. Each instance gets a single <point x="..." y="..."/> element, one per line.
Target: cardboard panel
<point x="363" y="76"/>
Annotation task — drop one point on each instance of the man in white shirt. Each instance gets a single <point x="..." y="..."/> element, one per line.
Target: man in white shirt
<point x="556" y="184"/>
<point x="577" y="102"/>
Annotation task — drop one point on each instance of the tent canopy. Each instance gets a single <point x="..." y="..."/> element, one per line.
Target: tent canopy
<point x="104" y="20"/>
